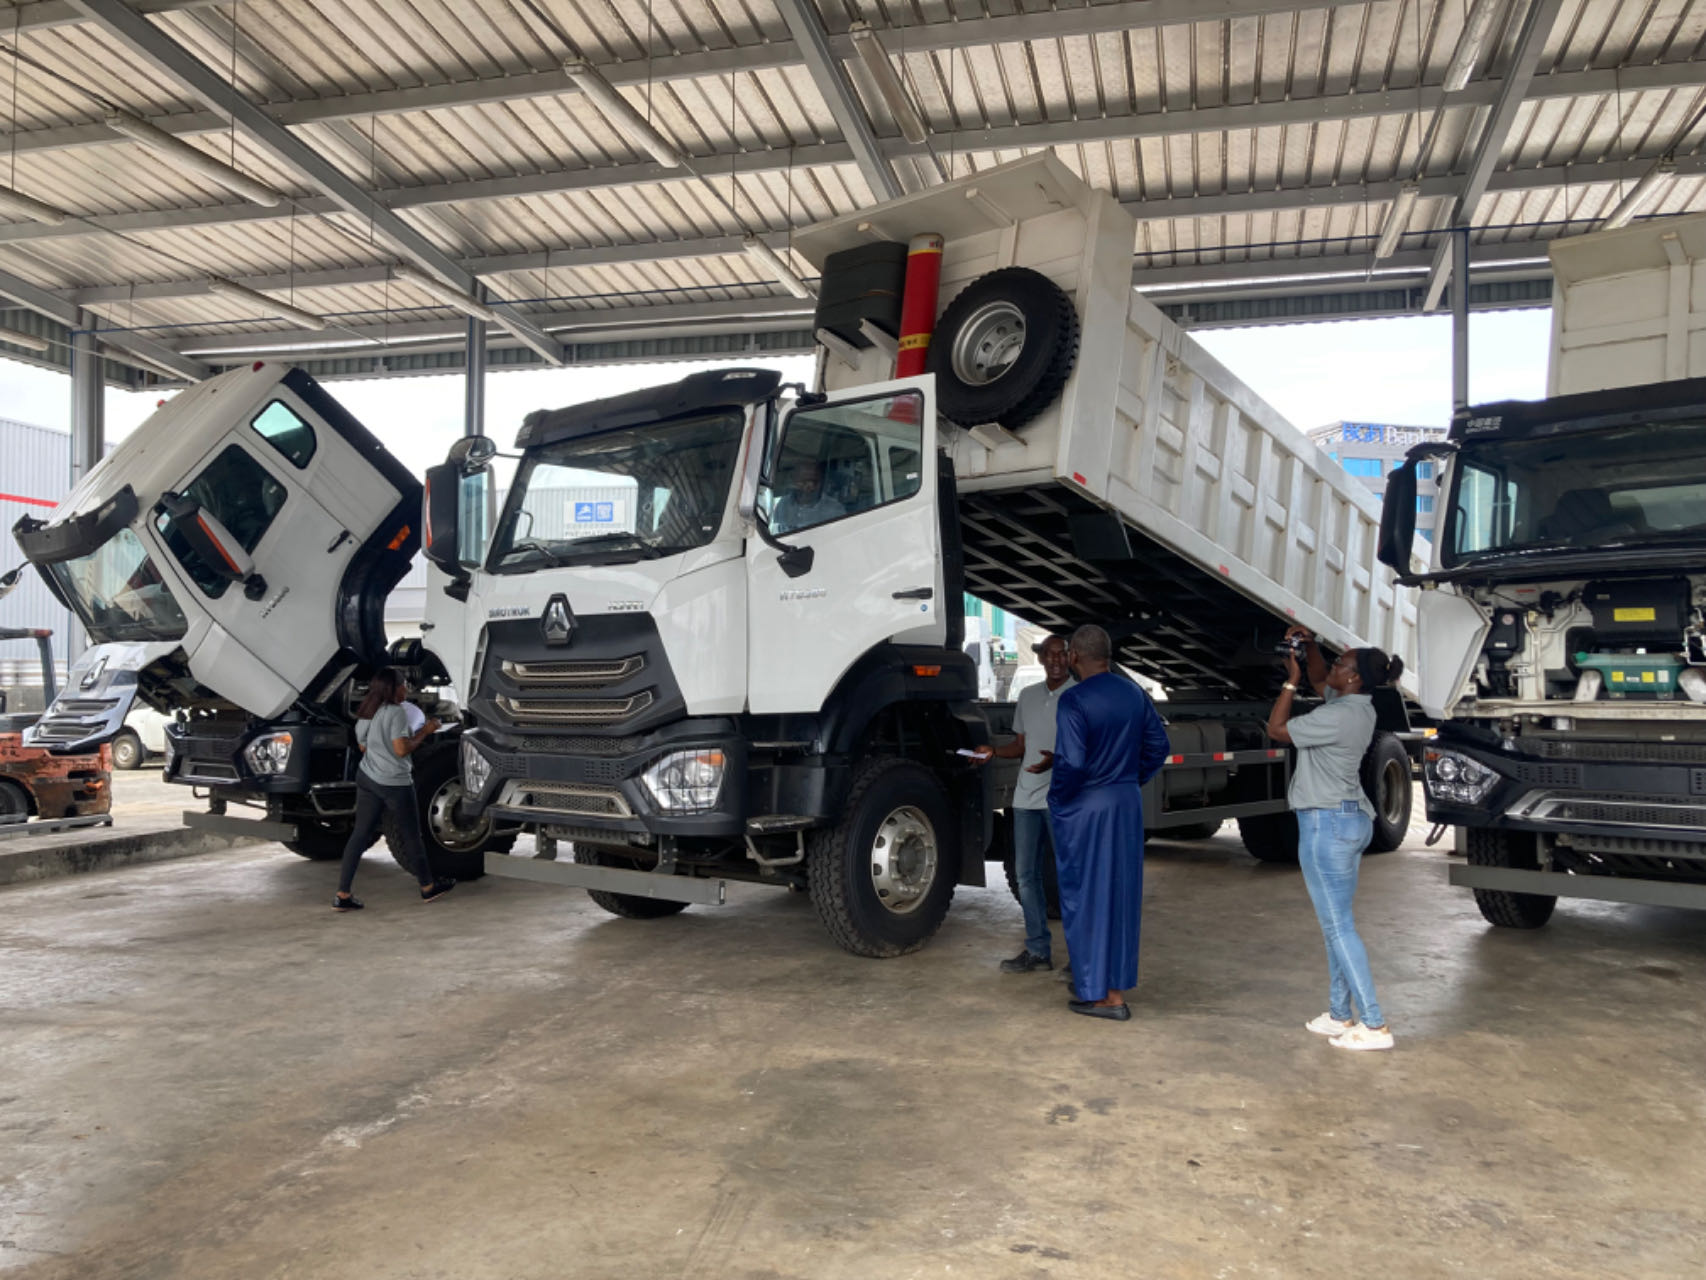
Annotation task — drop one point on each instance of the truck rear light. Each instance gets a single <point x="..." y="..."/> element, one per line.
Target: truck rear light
<point x="926" y="671"/>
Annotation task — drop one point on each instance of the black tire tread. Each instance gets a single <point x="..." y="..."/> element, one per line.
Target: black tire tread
<point x="1491" y="847"/>
<point x="14" y="799"/>
<point x="1270" y="837"/>
<point x="827" y="887"/>
<point x="1022" y="403"/>
<point x="1195" y="831"/>
<point x="129" y="735"/>
<point x="1385" y="746"/>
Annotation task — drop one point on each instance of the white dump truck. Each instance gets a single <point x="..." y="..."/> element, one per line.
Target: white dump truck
<point x="1562" y="616"/>
<point x="230" y="560"/>
<point x="759" y="674"/>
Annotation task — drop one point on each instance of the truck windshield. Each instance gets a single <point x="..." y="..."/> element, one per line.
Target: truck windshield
<point x="620" y="495"/>
<point x="1614" y="488"/>
<point x="119" y="594"/>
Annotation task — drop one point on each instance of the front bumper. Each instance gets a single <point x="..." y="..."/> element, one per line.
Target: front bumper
<point x="1540" y="790"/>
<point x="214" y="758"/>
<point x="594" y="784"/>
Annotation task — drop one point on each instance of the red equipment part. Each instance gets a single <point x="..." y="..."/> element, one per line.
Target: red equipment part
<point x="918" y="304"/>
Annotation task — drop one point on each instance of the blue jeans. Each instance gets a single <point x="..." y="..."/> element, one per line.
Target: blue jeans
<point x="1033" y="831"/>
<point x="1330" y="845"/>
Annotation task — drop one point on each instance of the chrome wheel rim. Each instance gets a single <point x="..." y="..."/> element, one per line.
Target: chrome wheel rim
<point x="904" y="859"/>
<point x="988" y="343"/>
<point x="441" y="821"/>
<point x="1393" y="779"/>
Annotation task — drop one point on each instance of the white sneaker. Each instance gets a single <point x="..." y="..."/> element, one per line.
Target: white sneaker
<point x="1327" y="1025"/>
<point x="1361" y="1037"/>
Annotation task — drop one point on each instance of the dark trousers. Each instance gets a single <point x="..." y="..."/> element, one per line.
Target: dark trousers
<point x="372" y="802"/>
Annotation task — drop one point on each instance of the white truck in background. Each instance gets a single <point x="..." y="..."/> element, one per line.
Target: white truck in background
<point x="231" y="559"/>
<point x="1562" y="618"/>
<point x="763" y="678"/>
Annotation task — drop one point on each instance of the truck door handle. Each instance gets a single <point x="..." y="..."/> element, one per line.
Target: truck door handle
<point x="917" y="593"/>
<point x="343" y="537"/>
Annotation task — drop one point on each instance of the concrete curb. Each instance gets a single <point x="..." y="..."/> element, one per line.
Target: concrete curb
<point x="108" y="850"/>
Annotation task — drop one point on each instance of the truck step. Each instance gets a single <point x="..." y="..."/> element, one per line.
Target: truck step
<point x="772" y="823"/>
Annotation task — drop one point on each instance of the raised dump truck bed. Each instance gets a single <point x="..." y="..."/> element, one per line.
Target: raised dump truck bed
<point x="1230" y="523"/>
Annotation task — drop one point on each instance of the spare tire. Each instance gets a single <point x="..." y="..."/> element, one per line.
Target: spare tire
<point x="1003" y="349"/>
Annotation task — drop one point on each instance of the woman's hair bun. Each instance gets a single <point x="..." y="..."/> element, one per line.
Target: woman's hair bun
<point x="1394" y="669"/>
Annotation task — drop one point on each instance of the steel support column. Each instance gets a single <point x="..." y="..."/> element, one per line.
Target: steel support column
<point x="88" y="433"/>
<point x="1459" y="318"/>
<point x="474" y="379"/>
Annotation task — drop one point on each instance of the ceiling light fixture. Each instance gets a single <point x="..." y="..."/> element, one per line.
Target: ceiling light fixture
<point x="1648" y="188"/>
<point x="28" y="341"/>
<point x="446" y="293"/>
<point x="1397" y="219"/>
<point x="264" y="303"/>
<point x="1468" y="52"/>
<point x="24" y="206"/>
<point x="158" y="140"/>
<point x="778" y="269"/>
<point x="621" y="114"/>
<point x="895" y="97"/>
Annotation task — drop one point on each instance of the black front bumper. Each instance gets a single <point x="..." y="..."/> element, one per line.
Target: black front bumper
<point x="1550" y="787"/>
<point x="214" y="758"/>
<point x="603" y="776"/>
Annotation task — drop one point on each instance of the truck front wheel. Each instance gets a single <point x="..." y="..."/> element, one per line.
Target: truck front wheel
<point x="882" y="878"/>
<point x="630" y="906"/>
<point x="454" y="849"/>
<point x="319" y="841"/>
<point x="1491" y="847"/>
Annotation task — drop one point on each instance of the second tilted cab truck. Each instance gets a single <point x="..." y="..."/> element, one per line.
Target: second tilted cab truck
<point x="754" y="669"/>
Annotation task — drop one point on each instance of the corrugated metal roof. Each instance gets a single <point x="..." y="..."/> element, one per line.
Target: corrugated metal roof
<point x="1258" y="133"/>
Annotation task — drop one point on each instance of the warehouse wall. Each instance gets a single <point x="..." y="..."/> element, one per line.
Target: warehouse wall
<point x="35" y="473"/>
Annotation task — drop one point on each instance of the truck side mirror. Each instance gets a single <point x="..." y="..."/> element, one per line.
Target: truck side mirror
<point x="10" y="580"/>
<point x="439" y="514"/>
<point x="1398" y="518"/>
<point x="471" y="454"/>
<point x="213" y="544"/>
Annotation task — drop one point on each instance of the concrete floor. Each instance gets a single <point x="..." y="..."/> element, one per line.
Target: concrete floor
<point x="205" y="1072"/>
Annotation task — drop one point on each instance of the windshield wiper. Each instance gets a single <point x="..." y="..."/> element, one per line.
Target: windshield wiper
<point x="550" y="556"/>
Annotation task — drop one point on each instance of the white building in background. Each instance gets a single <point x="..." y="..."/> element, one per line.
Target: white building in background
<point x="35" y="473"/>
<point x="1371" y="451"/>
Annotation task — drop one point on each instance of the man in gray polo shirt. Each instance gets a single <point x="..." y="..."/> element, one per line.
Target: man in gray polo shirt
<point x="1033" y="745"/>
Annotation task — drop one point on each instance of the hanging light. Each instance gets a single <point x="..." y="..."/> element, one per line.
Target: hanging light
<point x="28" y="341"/>
<point x="263" y="302"/>
<point x="446" y="293"/>
<point x="24" y="206"/>
<point x="1468" y="52"/>
<point x="158" y="140"/>
<point x="1397" y="219"/>
<point x="1648" y="188"/>
<point x="895" y="97"/>
<point x="778" y="270"/>
<point x="621" y="114"/>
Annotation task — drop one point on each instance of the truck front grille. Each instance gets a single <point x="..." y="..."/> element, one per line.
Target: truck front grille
<point x="580" y="711"/>
<point x="564" y="797"/>
<point x="564" y="673"/>
<point x="198" y="770"/>
<point x="1612" y="752"/>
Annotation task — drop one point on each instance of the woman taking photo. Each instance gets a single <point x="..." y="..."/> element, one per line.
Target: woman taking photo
<point x="1335" y="821"/>
<point x="385" y="783"/>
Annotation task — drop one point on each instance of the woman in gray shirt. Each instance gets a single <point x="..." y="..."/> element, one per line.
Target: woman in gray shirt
<point x="385" y="783"/>
<point x="1335" y="822"/>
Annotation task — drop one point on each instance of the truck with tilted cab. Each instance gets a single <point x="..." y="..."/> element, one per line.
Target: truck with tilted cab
<point x="230" y="559"/>
<point x="745" y="660"/>
<point x="1562" y="613"/>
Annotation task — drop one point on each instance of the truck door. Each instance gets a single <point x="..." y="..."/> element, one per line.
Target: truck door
<point x="252" y="483"/>
<point x="854" y="481"/>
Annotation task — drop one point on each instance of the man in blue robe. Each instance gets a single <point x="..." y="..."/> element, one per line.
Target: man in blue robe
<point x="1109" y="741"/>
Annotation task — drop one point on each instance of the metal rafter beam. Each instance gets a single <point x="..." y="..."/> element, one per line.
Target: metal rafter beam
<point x="1537" y="24"/>
<point x="828" y="74"/>
<point x="1060" y="133"/>
<point x="129" y="348"/>
<point x="161" y="51"/>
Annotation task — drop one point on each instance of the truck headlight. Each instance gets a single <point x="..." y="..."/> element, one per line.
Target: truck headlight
<point x="1451" y="776"/>
<point x="269" y="753"/>
<point x="476" y="770"/>
<point x="686" y="781"/>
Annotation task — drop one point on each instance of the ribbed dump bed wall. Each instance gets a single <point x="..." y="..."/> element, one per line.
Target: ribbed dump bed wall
<point x="1236" y="524"/>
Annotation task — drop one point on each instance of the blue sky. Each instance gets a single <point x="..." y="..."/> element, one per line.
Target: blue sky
<point x="1393" y="370"/>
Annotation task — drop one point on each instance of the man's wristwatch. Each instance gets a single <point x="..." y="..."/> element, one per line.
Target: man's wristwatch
<point x="1289" y="687"/>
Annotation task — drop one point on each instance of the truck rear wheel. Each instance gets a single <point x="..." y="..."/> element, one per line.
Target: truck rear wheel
<point x="1387" y="781"/>
<point x="14" y="800"/>
<point x="1003" y="349"/>
<point x="882" y="878"/>
<point x="1196" y="831"/>
<point x="1491" y="847"/>
<point x="453" y="849"/>
<point x="630" y="906"/>
<point x="1051" y="876"/>
<point x="1270" y="837"/>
